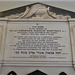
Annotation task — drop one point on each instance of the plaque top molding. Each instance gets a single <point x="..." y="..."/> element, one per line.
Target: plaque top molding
<point x="37" y="11"/>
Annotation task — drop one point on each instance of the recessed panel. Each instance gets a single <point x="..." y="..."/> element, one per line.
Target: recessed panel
<point x="37" y="41"/>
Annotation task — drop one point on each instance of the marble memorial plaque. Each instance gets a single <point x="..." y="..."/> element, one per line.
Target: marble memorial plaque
<point x="37" y="41"/>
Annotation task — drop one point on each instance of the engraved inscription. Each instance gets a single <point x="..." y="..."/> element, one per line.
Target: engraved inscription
<point x="45" y="41"/>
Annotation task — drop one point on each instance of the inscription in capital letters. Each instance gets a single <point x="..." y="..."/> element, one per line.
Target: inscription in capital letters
<point x="38" y="41"/>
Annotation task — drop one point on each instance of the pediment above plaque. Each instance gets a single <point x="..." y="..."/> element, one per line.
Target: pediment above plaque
<point x="37" y="11"/>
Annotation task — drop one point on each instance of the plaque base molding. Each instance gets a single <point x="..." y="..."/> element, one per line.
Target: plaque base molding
<point x="30" y="46"/>
<point x="47" y="70"/>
